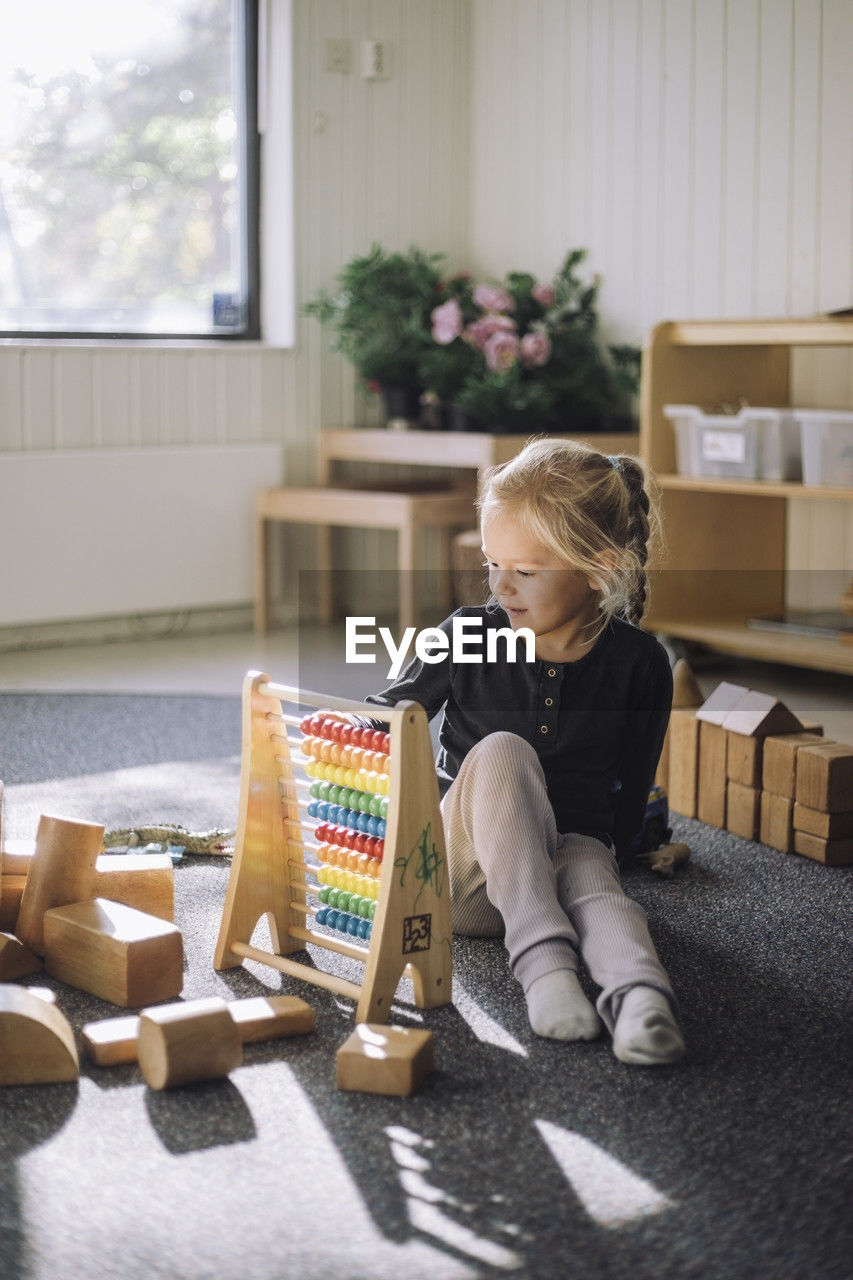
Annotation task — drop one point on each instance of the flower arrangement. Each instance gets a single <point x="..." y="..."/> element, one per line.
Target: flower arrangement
<point x="518" y="355"/>
<point x="523" y="355"/>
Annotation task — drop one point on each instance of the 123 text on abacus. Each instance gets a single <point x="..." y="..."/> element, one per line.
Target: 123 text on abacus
<point x="432" y="645"/>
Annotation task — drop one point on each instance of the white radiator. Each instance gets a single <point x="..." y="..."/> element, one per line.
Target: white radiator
<point x="103" y="532"/>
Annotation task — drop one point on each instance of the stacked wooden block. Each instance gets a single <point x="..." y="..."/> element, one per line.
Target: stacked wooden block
<point x="742" y="761"/>
<point x="102" y="923"/>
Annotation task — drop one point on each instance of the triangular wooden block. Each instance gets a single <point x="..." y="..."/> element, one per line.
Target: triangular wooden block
<point x="685" y="688"/>
<point x="721" y="702"/>
<point x="758" y="715"/>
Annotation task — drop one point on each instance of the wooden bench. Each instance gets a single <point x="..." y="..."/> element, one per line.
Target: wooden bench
<point x="406" y="509"/>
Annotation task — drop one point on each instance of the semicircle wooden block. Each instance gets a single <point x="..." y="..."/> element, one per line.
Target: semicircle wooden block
<point x="36" y="1040"/>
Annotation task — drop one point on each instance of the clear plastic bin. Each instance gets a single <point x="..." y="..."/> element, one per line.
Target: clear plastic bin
<point x="827" y="443"/>
<point x="753" y="444"/>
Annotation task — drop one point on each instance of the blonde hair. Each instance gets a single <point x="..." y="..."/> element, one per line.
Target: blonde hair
<point x="593" y="510"/>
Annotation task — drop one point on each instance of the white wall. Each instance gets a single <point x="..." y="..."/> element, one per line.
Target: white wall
<point x="702" y="150"/>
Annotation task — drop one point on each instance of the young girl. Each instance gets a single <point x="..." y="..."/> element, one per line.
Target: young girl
<point x="545" y="766"/>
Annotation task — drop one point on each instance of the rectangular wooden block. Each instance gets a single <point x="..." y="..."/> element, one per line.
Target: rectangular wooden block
<point x="11" y="893"/>
<point x="382" y="1059"/>
<point x="829" y="826"/>
<point x="112" y="1042"/>
<point x="776" y="826"/>
<point x="662" y="773"/>
<point x="743" y="759"/>
<point x="16" y="857"/>
<point x="711" y="798"/>
<point x="825" y="777"/>
<point x="114" y="951"/>
<point x="742" y="810"/>
<point x="142" y="880"/>
<point x="834" y="853"/>
<point x="778" y="772"/>
<point x="683" y="734"/>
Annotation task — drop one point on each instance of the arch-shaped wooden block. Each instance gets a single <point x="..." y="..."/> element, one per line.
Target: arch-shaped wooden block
<point x="36" y="1040"/>
<point x="184" y="1043"/>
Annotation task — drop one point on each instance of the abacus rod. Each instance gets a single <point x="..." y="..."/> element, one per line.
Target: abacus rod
<point x="331" y="944"/>
<point x="297" y="969"/>
<point x="305" y="697"/>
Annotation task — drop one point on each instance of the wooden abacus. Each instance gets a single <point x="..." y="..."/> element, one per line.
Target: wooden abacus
<point x="375" y="861"/>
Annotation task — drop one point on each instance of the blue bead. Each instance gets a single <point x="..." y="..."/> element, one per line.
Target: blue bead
<point x="373" y="826"/>
<point x="313" y="809"/>
<point x="381" y="828"/>
<point x="352" y="926"/>
<point x="332" y="918"/>
<point x="364" y="929"/>
<point x="364" y="824"/>
<point x="322" y="915"/>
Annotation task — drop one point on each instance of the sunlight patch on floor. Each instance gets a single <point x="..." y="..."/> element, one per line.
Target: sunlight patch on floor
<point x="484" y="1027"/>
<point x="611" y="1194"/>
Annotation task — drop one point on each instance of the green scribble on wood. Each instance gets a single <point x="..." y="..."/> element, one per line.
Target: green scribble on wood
<point x="425" y="863"/>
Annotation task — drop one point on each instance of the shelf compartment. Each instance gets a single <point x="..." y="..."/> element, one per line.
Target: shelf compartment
<point x="734" y="636"/>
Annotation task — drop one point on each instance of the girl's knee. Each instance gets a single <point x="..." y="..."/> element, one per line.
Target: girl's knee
<point x="502" y="746"/>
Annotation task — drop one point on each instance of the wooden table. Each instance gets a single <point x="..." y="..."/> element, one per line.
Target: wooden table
<point x="373" y="505"/>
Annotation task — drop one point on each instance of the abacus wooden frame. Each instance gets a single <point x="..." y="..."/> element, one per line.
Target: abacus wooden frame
<point x="269" y="870"/>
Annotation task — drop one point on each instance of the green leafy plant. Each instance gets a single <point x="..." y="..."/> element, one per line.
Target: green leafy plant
<point x="380" y="314"/>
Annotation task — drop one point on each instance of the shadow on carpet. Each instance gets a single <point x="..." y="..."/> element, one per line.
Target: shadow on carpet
<point x="517" y="1157"/>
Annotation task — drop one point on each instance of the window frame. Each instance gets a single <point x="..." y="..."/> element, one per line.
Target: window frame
<point x="246" y="47"/>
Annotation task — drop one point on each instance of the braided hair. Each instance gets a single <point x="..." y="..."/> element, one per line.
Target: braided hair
<point x="593" y="510"/>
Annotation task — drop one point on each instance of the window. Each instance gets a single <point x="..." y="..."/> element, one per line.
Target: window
<point x="129" y="169"/>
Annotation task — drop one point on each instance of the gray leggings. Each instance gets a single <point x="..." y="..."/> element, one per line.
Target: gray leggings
<point x="553" y="897"/>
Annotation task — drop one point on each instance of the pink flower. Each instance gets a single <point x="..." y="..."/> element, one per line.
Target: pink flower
<point x="479" y="331"/>
<point x="490" y="297"/>
<point x="535" y="349"/>
<point x="447" y="322"/>
<point x="543" y="294"/>
<point x="501" y="351"/>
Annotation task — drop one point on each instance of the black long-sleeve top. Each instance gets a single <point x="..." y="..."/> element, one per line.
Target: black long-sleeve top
<point x="597" y="724"/>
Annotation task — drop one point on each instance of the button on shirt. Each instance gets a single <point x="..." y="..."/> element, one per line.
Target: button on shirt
<point x="597" y="724"/>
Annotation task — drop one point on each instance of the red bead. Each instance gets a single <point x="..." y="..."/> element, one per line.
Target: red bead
<point x="360" y="841"/>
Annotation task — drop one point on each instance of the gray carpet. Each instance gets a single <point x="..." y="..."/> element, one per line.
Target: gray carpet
<point x="517" y="1157"/>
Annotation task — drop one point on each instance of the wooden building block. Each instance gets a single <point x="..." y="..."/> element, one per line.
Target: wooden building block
<point x="759" y="715"/>
<point x="683" y="734"/>
<point x="711" y="797"/>
<point x="382" y="1059"/>
<point x="720" y="702"/>
<point x="743" y="759"/>
<point x="685" y="688"/>
<point x="16" y="857"/>
<point x="184" y="1043"/>
<point x="261" y="1018"/>
<point x="115" y="952"/>
<point x="65" y="851"/>
<point x="11" y="893"/>
<point x="662" y="771"/>
<point x="742" y="810"/>
<point x="829" y="826"/>
<point x="779" y="767"/>
<point x="834" y="853"/>
<point x="36" y="1040"/>
<point x="825" y="777"/>
<point x="775" y="821"/>
<point x="113" y="1041"/>
<point x="142" y="880"/>
<point x="16" y="960"/>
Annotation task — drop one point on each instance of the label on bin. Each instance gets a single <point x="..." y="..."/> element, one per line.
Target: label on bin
<point x="724" y="446"/>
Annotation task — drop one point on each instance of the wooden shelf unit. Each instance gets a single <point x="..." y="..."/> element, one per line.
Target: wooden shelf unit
<point x="725" y="539"/>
